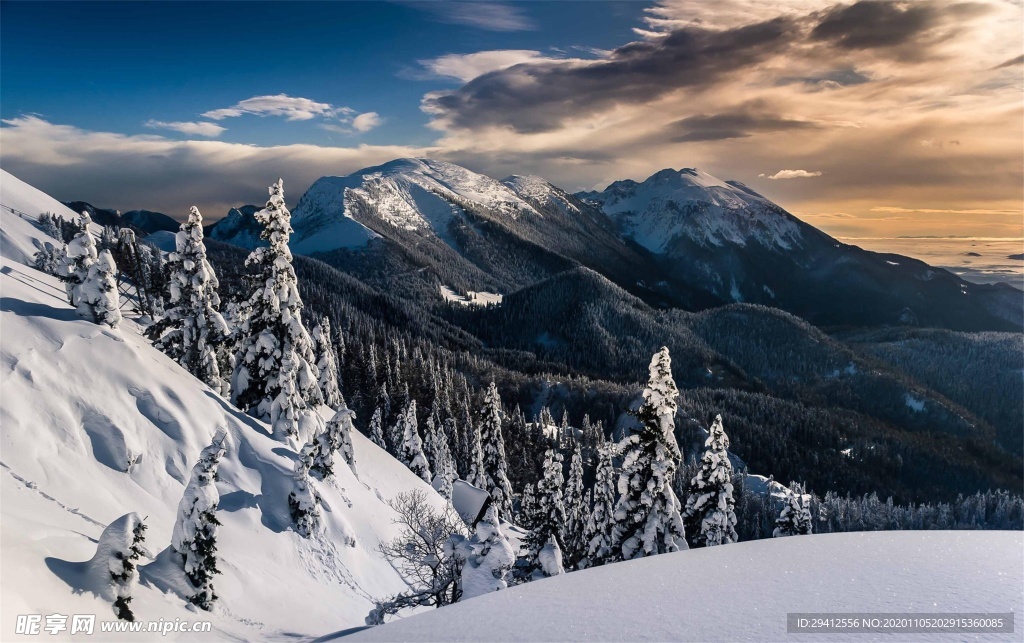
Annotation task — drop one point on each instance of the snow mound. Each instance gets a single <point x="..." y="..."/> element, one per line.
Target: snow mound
<point x="667" y="597"/>
<point x="21" y="204"/>
<point x="97" y="424"/>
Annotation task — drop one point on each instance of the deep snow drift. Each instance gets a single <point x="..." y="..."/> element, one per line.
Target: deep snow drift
<point x="97" y="423"/>
<point x="742" y="592"/>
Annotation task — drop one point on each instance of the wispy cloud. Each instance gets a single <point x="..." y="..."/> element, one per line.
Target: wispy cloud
<point x="466" y="67"/>
<point x="159" y="173"/>
<point x="899" y="210"/>
<point x="211" y="130"/>
<point x="292" y="108"/>
<point x="790" y="174"/>
<point x="489" y="16"/>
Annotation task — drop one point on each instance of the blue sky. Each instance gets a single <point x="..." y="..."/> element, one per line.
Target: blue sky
<point x="114" y="67"/>
<point x="866" y="118"/>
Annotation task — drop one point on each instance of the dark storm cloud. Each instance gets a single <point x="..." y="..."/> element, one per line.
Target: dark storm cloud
<point x="740" y="123"/>
<point x="538" y="97"/>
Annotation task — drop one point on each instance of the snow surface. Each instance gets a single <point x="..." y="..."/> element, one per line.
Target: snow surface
<point x="412" y="194"/>
<point x="17" y="195"/>
<point x="694" y="204"/>
<point x="97" y="423"/>
<point x="743" y="591"/>
<point x="472" y="298"/>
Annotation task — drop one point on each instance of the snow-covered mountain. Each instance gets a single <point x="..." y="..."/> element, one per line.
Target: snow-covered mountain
<point x="737" y="245"/>
<point x="681" y="238"/>
<point x="692" y="204"/>
<point x="98" y="423"/>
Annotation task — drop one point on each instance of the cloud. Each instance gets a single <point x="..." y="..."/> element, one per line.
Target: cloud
<point x="193" y="129"/>
<point x="489" y="16"/>
<point x="791" y="174"/>
<point x="1013" y="62"/>
<point x="158" y="173"/>
<point x="741" y="122"/>
<point x="536" y="97"/>
<point x="982" y="211"/>
<point x="292" y="108"/>
<point x="366" y="121"/>
<point x="466" y="67"/>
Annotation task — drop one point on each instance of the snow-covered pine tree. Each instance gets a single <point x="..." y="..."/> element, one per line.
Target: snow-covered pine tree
<point x="50" y="257"/>
<point x="304" y="501"/>
<point x="327" y="364"/>
<point x="411" y="448"/>
<point x="488" y="557"/>
<point x="495" y="465"/>
<point x="336" y="437"/>
<point x="193" y="332"/>
<point x="195" y="530"/>
<point x="544" y="542"/>
<point x="117" y="554"/>
<point x="647" y="519"/>
<point x="527" y="508"/>
<point x="97" y="297"/>
<point x="272" y="333"/>
<point x="795" y="517"/>
<point x="575" y="510"/>
<point x="444" y="473"/>
<point x="80" y="256"/>
<point x="597" y="535"/>
<point x="430" y="437"/>
<point x="710" y="507"/>
<point x="376" y="429"/>
<point x="474" y="443"/>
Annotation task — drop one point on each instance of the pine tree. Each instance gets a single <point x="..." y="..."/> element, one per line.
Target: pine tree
<point x="275" y="375"/>
<point x="444" y="473"/>
<point x="195" y="530"/>
<point x="601" y="524"/>
<point x="304" y="501"/>
<point x="488" y="557"/>
<point x="527" y="508"/>
<point x="494" y="464"/>
<point x="795" y="518"/>
<point x="710" y="506"/>
<point x="336" y="437"/>
<point x="411" y="448"/>
<point x="117" y="554"/>
<point x="544" y="542"/>
<point x="50" y="257"/>
<point x="80" y="256"/>
<point x="647" y="519"/>
<point x="97" y="297"/>
<point x="376" y="430"/>
<point x="327" y="364"/>
<point x="575" y="510"/>
<point x="475" y="454"/>
<point x="193" y="332"/>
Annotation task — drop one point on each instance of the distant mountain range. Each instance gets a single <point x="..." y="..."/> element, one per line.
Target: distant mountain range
<point x="681" y="238"/>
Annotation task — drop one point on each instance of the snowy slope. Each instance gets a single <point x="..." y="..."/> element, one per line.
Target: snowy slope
<point x="98" y="423"/>
<point x="693" y="204"/>
<point x="17" y="195"/>
<point x="742" y="592"/>
<point x="412" y="194"/>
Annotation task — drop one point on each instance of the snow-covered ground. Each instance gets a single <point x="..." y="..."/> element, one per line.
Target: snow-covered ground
<point x="742" y="592"/>
<point x="98" y="423"/>
<point x="472" y="298"/>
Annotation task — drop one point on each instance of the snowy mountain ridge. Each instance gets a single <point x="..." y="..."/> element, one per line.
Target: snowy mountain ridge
<point x="411" y="194"/>
<point x="692" y="203"/>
